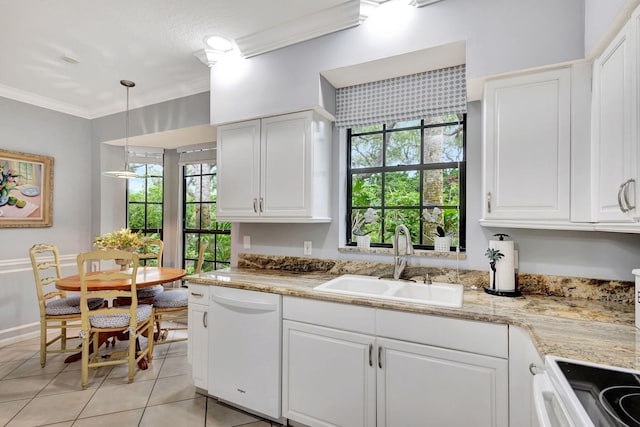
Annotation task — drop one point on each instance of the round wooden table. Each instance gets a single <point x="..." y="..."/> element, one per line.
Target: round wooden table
<point x="147" y="276"/>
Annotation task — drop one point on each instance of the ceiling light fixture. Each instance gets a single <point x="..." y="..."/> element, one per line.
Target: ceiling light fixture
<point x="126" y="173"/>
<point x="218" y="43"/>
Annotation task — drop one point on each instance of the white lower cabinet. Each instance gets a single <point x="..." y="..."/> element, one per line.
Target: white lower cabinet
<point x="348" y="368"/>
<point x="420" y="385"/>
<point x="198" y="343"/>
<point x="524" y="361"/>
<point x="328" y="377"/>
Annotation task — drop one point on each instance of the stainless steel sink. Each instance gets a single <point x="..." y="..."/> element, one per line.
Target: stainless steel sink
<point x="440" y="294"/>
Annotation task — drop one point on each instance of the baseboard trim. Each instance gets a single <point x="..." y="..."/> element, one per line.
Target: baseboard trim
<point x="19" y="333"/>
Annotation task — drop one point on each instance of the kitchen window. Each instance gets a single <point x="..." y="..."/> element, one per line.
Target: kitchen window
<point x="145" y="202"/>
<point x="200" y="225"/>
<point x="407" y="172"/>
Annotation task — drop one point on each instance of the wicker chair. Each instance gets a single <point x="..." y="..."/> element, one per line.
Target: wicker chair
<point x="57" y="311"/>
<point x="135" y="319"/>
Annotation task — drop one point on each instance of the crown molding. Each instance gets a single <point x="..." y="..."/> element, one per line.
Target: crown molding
<point x="42" y="101"/>
<point x="421" y="3"/>
<point x="340" y="17"/>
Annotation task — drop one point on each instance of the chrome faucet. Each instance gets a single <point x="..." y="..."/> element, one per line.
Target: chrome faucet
<point x="400" y="258"/>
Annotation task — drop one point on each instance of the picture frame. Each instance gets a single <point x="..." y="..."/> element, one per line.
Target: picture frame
<point x="26" y="190"/>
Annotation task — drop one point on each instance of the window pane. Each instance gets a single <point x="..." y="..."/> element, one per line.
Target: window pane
<point x="136" y="216"/>
<point x="223" y="247"/>
<point x="136" y="189"/>
<point x="139" y="170"/>
<point x="208" y="217"/>
<point x="366" y="151"/>
<point x="366" y="190"/>
<point x="206" y="185"/>
<point x="191" y="216"/>
<point x="402" y="188"/>
<point x="403" y="148"/>
<point x="154" y="216"/>
<point x="443" y="144"/>
<point x="409" y="217"/>
<point x="155" y="170"/>
<point x="154" y="190"/>
<point x="441" y="187"/>
<point x="363" y="129"/>
<point x="400" y="125"/>
<point x="448" y="220"/>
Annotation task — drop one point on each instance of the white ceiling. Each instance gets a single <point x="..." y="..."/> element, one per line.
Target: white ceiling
<point x="151" y="42"/>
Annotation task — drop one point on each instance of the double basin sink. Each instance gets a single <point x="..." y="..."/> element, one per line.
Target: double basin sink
<point x="439" y="294"/>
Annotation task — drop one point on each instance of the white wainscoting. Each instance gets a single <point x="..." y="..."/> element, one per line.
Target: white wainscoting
<point x="19" y="314"/>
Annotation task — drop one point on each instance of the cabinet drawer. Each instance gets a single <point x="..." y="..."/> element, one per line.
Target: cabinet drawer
<point x="332" y="314"/>
<point x="466" y="335"/>
<point x="198" y="294"/>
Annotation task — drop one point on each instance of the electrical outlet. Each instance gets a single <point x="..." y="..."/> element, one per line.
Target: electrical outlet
<point x="307" y="247"/>
<point x="246" y="242"/>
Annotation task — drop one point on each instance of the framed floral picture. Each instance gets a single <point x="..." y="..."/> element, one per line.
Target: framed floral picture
<point x="26" y="190"/>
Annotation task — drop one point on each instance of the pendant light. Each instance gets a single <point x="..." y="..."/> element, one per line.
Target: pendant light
<point x="126" y="173"/>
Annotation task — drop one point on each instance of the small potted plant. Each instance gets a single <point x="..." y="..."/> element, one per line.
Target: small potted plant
<point x="441" y="239"/>
<point x="360" y="227"/>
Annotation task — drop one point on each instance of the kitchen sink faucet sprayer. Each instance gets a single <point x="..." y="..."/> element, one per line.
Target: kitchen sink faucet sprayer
<point x="400" y="261"/>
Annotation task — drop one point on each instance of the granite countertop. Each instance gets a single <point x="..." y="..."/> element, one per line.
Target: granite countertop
<point x="595" y="331"/>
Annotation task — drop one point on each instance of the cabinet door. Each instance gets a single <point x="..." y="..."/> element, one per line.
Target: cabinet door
<point x="286" y="165"/>
<point x="613" y="147"/>
<point x="527" y="147"/>
<point x="522" y="353"/>
<point x="419" y="385"/>
<point x="238" y="170"/>
<point x="328" y="376"/>
<point x="198" y="347"/>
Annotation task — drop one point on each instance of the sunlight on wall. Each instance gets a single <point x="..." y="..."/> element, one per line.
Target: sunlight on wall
<point x="230" y="69"/>
<point x="389" y="19"/>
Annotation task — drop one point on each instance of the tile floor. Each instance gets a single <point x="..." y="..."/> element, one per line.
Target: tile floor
<point x="163" y="395"/>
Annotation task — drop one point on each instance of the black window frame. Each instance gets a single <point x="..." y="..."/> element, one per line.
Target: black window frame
<point x="421" y="167"/>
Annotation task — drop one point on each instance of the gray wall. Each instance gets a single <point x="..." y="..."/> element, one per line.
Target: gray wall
<point x="501" y="36"/>
<point x="598" y="17"/>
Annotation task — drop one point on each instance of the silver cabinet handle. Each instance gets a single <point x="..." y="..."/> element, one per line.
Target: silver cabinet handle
<point x="625" y="193"/>
<point x="197" y="294"/>
<point x="255" y="205"/>
<point x="380" y="357"/>
<point x="620" y="205"/>
<point x="489" y="202"/>
<point x="533" y="369"/>
<point x="370" y="351"/>
<point x="205" y="319"/>
<point x="261" y="204"/>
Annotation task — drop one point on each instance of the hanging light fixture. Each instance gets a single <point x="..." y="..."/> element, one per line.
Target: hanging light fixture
<point x="126" y="173"/>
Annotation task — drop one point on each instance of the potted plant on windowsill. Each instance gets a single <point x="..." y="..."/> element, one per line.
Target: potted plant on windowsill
<point x="441" y="239"/>
<point x="360" y="227"/>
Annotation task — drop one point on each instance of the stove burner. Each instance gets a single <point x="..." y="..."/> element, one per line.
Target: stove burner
<point x="622" y="403"/>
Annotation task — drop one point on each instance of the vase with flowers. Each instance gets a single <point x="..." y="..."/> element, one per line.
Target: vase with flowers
<point x="441" y="238"/>
<point x="124" y="240"/>
<point x="362" y="225"/>
<point x="7" y="183"/>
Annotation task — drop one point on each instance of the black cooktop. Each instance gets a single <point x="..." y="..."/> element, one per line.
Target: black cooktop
<point x="610" y="397"/>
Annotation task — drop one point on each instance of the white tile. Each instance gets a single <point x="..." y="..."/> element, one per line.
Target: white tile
<point x="124" y="419"/>
<point x="115" y="398"/>
<point x="172" y="389"/>
<point x="219" y="415"/>
<point x="9" y="409"/>
<point x="120" y="373"/>
<point x="52" y="409"/>
<point x="69" y="381"/>
<point x="23" y="388"/>
<point x="185" y="413"/>
<point x="7" y="367"/>
<point x="177" y="349"/>
<point x="174" y="366"/>
<point x="32" y="368"/>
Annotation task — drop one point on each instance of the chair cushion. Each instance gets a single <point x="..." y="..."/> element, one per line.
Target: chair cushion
<point x="120" y="320"/>
<point x="70" y="305"/>
<point x="172" y="299"/>
<point x="149" y="292"/>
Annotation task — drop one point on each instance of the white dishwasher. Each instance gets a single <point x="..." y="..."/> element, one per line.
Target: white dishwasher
<point x="245" y="344"/>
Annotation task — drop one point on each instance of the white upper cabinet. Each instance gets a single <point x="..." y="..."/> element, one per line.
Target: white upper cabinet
<point x="275" y="169"/>
<point x="613" y="136"/>
<point x="527" y="144"/>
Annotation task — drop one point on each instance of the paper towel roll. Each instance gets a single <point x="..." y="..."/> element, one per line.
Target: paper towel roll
<point x="505" y="267"/>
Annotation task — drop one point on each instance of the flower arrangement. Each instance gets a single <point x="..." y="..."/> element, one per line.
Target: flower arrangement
<point x="434" y="218"/>
<point x="123" y="239"/>
<point x="359" y="221"/>
<point x="7" y="182"/>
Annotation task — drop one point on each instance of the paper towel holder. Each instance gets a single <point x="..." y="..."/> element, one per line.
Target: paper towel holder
<point x="492" y="256"/>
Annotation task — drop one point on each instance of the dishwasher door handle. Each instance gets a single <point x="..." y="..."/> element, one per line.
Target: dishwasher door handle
<point x="247" y="304"/>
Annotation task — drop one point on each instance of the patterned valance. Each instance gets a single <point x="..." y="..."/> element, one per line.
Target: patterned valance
<point x="416" y="96"/>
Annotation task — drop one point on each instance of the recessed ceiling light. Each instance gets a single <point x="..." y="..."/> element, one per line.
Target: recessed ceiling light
<point x="219" y="43"/>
